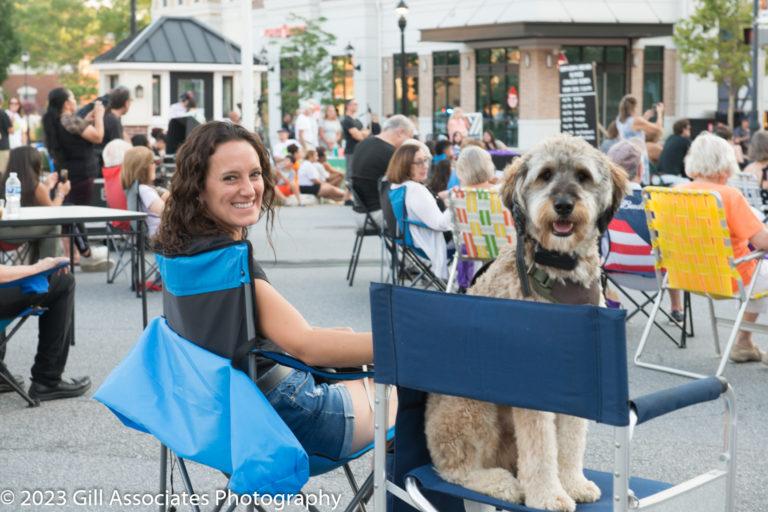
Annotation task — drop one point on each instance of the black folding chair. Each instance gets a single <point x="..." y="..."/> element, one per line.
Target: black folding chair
<point x="369" y="228"/>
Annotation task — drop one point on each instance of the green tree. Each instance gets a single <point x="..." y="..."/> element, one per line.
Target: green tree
<point x="306" y="52"/>
<point x="61" y="34"/>
<point x="9" y="40"/>
<point x="711" y="46"/>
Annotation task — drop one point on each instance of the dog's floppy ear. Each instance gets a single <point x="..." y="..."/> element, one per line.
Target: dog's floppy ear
<point x="514" y="175"/>
<point x="619" y="189"/>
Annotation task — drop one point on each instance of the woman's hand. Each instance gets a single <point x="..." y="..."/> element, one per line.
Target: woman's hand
<point x="98" y="110"/>
<point x="648" y="114"/>
<point x="51" y="180"/>
<point x="64" y="188"/>
<point x="660" y="109"/>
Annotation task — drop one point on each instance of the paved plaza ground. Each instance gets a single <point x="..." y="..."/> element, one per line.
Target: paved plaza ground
<point x="78" y="445"/>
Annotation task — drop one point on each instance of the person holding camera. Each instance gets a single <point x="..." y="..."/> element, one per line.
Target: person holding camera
<point x="633" y="126"/>
<point x="72" y="141"/>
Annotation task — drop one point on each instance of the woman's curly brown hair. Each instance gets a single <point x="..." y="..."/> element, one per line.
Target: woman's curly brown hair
<point x="185" y="217"/>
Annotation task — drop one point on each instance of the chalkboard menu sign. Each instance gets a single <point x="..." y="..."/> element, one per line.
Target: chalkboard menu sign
<point x="578" y="101"/>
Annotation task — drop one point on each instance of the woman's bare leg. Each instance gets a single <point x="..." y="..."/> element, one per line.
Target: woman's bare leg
<point x="363" y="433"/>
<point x="330" y="192"/>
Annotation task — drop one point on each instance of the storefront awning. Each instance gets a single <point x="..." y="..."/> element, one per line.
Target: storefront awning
<point x="545" y="30"/>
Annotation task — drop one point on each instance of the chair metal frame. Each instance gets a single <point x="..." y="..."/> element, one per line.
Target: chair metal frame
<point x="750" y="188"/>
<point x="714" y="286"/>
<point x="624" y="499"/>
<point x="12" y="253"/>
<point x="481" y="233"/>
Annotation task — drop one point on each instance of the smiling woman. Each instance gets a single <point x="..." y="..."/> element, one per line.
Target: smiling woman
<point x="223" y="185"/>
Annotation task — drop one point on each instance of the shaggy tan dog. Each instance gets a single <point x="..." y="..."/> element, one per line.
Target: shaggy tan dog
<point x="564" y="189"/>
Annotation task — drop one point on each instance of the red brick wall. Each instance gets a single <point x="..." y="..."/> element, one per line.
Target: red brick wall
<point x="43" y="83"/>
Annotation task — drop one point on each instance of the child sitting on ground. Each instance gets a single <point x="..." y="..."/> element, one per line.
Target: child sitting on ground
<point x="311" y="182"/>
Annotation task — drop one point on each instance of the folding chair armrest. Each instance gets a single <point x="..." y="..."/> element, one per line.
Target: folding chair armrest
<point x="296" y="364"/>
<point x="751" y="256"/>
<point x="653" y="405"/>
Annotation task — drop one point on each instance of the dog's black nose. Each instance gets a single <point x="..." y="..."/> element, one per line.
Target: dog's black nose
<point x="563" y="206"/>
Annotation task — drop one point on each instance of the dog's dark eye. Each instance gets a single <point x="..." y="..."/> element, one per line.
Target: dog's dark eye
<point x="582" y="176"/>
<point x="545" y="175"/>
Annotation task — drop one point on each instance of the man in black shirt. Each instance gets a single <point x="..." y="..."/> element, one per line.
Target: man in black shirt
<point x="372" y="157"/>
<point x="119" y="103"/>
<point x="6" y="128"/>
<point x="672" y="158"/>
<point x="352" y="130"/>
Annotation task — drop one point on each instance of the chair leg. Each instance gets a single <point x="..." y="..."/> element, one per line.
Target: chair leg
<point x="187" y="482"/>
<point x="688" y="312"/>
<point x="356" y="257"/>
<point x="352" y="258"/>
<point x="713" y="320"/>
<point x="163" y="473"/>
<point x="362" y="495"/>
<point x="732" y="338"/>
<point x="356" y="502"/>
<point x="5" y="376"/>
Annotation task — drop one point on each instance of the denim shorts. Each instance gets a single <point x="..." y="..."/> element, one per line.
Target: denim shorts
<point x="319" y="415"/>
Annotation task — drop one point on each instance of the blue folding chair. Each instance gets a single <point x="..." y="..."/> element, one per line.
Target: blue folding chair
<point x="34" y="284"/>
<point x="461" y="353"/>
<point x="191" y="382"/>
<point x="398" y="230"/>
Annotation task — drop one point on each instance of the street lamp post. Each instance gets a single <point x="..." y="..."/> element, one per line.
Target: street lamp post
<point x="402" y="11"/>
<point x="25" y="60"/>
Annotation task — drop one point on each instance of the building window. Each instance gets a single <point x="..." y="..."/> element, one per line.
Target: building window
<point x="112" y="81"/>
<point x="611" y="75"/>
<point x="411" y="84"/>
<point x="156" y="95"/>
<point x="343" y="80"/>
<point x="227" y="89"/>
<point x="653" y="76"/>
<point x="289" y="85"/>
<point x="498" y="91"/>
<point x="263" y="106"/>
<point x="446" y="88"/>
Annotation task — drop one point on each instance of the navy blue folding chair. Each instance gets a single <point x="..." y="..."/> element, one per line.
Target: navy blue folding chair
<point x="191" y="382"/>
<point x="409" y="262"/>
<point x="34" y="284"/>
<point x="459" y="352"/>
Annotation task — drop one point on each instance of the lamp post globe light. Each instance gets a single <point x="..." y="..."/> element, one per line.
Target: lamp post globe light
<point x="25" y="60"/>
<point x="402" y="11"/>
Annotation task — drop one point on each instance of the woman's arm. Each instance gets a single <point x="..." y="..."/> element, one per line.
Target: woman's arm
<point x="157" y="206"/>
<point x="282" y="323"/>
<point x="422" y="205"/>
<point x="10" y="273"/>
<point x="95" y="134"/>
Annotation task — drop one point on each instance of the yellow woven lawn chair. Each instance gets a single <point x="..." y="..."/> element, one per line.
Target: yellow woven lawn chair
<point x="482" y="226"/>
<point x="692" y="242"/>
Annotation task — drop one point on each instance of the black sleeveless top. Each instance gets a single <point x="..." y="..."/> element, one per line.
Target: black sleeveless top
<point x="75" y="154"/>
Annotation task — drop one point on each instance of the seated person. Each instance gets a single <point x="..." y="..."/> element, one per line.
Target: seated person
<point x="280" y="148"/>
<point x="474" y="169"/>
<point x="330" y="174"/>
<point x="28" y="165"/>
<point x="285" y="184"/>
<point x="311" y="182"/>
<point x="139" y="165"/>
<point x="758" y="154"/>
<point x="626" y="245"/>
<point x="53" y="333"/>
<point x="408" y="168"/>
<point x="490" y="142"/>
<point x="672" y="158"/>
<point x="222" y="165"/>
<point x="712" y="160"/>
<point x="437" y="182"/>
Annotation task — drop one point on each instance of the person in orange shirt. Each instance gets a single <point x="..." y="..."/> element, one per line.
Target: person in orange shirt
<point x="710" y="162"/>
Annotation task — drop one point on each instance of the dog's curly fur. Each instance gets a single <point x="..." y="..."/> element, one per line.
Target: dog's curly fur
<point x="519" y="454"/>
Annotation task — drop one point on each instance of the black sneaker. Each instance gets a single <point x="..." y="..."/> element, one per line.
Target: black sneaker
<point x="65" y="388"/>
<point x="5" y="387"/>
<point x="677" y="316"/>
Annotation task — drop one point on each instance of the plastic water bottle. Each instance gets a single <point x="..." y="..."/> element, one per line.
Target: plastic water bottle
<point x="12" y="197"/>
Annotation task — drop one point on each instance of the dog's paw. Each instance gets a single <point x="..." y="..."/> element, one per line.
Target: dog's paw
<point x="501" y="484"/>
<point x="550" y="501"/>
<point x="581" y="489"/>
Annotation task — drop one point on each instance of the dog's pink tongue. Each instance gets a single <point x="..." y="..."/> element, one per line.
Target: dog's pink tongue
<point x="563" y="226"/>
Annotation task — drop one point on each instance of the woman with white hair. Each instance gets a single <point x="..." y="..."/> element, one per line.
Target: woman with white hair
<point x="710" y="162"/>
<point x="475" y="168"/>
<point x="408" y="168"/>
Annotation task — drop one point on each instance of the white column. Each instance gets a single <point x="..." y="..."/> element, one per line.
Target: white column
<point x="246" y="54"/>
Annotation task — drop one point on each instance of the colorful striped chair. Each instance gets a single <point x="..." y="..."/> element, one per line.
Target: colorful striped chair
<point x="692" y="245"/>
<point x="482" y="226"/>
